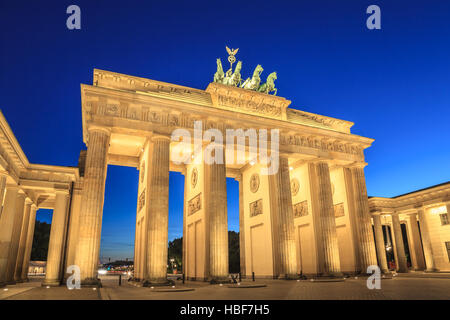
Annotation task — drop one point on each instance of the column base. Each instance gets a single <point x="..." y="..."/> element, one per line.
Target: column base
<point x="402" y="271"/>
<point x="51" y="283"/>
<point x="2" y="284"/>
<point x="91" y="283"/>
<point x="288" y="277"/>
<point x="11" y="282"/>
<point x="431" y="270"/>
<point x="219" y="280"/>
<point x="158" y="283"/>
<point x="329" y="276"/>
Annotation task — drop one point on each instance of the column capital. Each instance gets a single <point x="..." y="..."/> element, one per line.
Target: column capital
<point x="99" y="128"/>
<point x="28" y="201"/>
<point x="12" y="187"/>
<point x="34" y="206"/>
<point x="4" y="173"/>
<point x="356" y="165"/>
<point x="159" y="137"/>
<point x="62" y="191"/>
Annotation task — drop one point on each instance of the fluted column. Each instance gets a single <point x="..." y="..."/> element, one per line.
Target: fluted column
<point x="324" y="221"/>
<point x="6" y="229"/>
<point x="87" y="253"/>
<point x="3" y="178"/>
<point x="15" y="238"/>
<point x="402" y="265"/>
<point x="241" y="228"/>
<point x="216" y="206"/>
<point x="426" y="242"/>
<point x="184" y="243"/>
<point x="158" y="211"/>
<point x="366" y="245"/>
<point x="381" y="247"/>
<point x="285" y="219"/>
<point x="415" y="245"/>
<point x="22" y="241"/>
<point x="55" y="254"/>
<point x="29" y="243"/>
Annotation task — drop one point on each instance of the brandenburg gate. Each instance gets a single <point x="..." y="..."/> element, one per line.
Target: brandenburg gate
<point x="309" y="216"/>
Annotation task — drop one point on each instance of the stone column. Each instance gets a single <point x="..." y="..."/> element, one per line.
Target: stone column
<point x="184" y="243"/>
<point x="53" y="273"/>
<point x="3" y="178"/>
<point x="324" y="221"/>
<point x="15" y="238"/>
<point x="157" y="212"/>
<point x="415" y="245"/>
<point x="241" y="228"/>
<point x="366" y="245"/>
<point x="6" y="229"/>
<point x="22" y="241"/>
<point x="87" y="253"/>
<point x="29" y="243"/>
<point x="402" y="265"/>
<point x="216" y="212"/>
<point x="285" y="219"/>
<point x="426" y="242"/>
<point x="381" y="247"/>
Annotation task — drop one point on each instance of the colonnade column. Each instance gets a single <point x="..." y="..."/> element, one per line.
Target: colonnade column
<point x="158" y="211"/>
<point x="15" y="238"/>
<point x="29" y="243"/>
<point x="241" y="227"/>
<point x="381" y="247"/>
<point x="3" y="178"/>
<point x="216" y="206"/>
<point x="400" y="248"/>
<point x="87" y="254"/>
<point x="53" y="273"/>
<point x="22" y="241"/>
<point x="324" y="221"/>
<point x="6" y="229"/>
<point x="366" y="244"/>
<point x="415" y="245"/>
<point x="285" y="220"/>
<point x="426" y="241"/>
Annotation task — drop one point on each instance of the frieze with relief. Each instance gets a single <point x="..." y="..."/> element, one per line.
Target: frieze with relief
<point x="195" y="204"/>
<point x="300" y="209"/>
<point x="141" y="201"/>
<point x="146" y="114"/>
<point x="254" y="182"/>
<point x="256" y="208"/>
<point x="339" y="210"/>
<point x="295" y="186"/>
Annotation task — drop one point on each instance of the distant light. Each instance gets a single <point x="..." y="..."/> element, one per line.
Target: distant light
<point x="94" y="289"/>
<point x="290" y="168"/>
<point x="6" y="289"/>
<point x="102" y="271"/>
<point x="152" y="287"/>
<point x="48" y="287"/>
<point x="173" y="286"/>
<point x="252" y="162"/>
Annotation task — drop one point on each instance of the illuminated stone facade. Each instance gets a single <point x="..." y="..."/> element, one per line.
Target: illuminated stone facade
<point x="310" y="217"/>
<point x="425" y="216"/>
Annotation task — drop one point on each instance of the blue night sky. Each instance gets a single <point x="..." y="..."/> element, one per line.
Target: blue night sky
<point x="393" y="83"/>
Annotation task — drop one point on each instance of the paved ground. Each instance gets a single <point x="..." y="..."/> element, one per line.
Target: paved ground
<point x="403" y="287"/>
